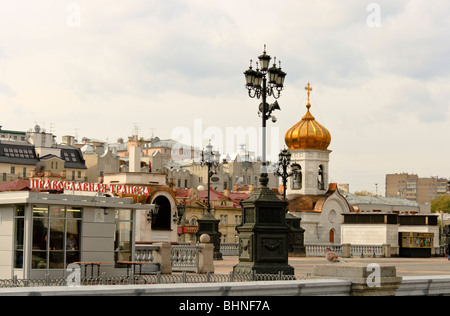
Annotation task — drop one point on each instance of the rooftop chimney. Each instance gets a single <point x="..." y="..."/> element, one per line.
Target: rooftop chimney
<point x="135" y="159"/>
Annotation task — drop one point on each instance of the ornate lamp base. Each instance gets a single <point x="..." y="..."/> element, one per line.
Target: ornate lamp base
<point x="263" y="234"/>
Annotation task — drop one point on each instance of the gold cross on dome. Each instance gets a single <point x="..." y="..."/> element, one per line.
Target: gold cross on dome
<point x="309" y="89"/>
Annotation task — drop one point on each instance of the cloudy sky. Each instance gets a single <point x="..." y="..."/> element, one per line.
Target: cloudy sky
<point x="380" y="73"/>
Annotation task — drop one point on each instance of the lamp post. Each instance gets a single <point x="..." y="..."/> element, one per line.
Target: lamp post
<point x="151" y="215"/>
<point x="263" y="232"/>
<point x="211" y="159"/>
<point x="181" y="209"/>
<point x="284" y="161"/>
<point x="208" y="224"/>
<point x="296" y="245"/>
<point x="258" y="87"/>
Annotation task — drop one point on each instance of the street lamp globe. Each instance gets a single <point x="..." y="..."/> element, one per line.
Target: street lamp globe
<point x="273" y="74"/>
<point x="250" y="76"/>
<point x="264" y="60"/>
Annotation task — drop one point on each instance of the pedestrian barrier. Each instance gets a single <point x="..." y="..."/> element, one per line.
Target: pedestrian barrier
<point x="150" y="278"/>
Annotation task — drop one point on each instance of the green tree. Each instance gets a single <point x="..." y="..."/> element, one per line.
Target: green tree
<point x="364" y="193"/>
<point x="442" y="203"/>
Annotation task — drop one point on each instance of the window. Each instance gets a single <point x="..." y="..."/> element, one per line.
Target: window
<point x="13" y="170"/>
<point x="56" y="236"/>
<point x="223" y="219"/>
<point x="123" y="236"/>
<point x="320" y="179"/>
<point x="19" y="222"/>
<point x="193" y="222"/>
<point x="79" y="174"/>
<point x="297" y="177"/>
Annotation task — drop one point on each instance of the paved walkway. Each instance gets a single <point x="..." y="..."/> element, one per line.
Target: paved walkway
<point x="404" y="266"/>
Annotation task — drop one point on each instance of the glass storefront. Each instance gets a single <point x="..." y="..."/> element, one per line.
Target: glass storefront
<point x="46" y="232"/>
<point x="19" y="227"/>
<point x="123" y="236"/>
<point x="56" y="236"/>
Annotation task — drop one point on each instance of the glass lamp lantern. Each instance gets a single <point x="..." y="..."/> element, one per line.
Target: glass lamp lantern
<point x="249" y="76"/>
<point x="273" y="74"/>
<point x="264" y="61"/>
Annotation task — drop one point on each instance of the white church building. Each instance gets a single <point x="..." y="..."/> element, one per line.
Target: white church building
<point x="311" y="197"/>
<point x="329" y="216"/>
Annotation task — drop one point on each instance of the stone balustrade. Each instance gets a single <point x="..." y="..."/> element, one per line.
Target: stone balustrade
<point x="318" y="250"/>
<point x="190" y="258"/>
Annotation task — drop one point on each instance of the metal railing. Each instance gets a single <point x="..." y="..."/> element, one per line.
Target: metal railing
<point x="154" y="278"/>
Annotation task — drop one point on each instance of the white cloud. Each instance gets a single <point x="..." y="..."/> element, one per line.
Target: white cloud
<point x="382" y="92"/>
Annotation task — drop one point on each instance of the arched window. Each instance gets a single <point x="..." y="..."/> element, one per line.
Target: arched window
<point x="320" y="179"/>
<point x="297" y="182"/>
<point x="162" y="220"/>
<point x="193" y="221"/>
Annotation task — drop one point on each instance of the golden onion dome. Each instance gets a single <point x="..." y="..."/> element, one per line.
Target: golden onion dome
<point x="308" y="133"/>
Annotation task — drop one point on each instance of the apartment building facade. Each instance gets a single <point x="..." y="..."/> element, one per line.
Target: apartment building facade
<point x="39" y="154"/>
<point x="415" y="188"/>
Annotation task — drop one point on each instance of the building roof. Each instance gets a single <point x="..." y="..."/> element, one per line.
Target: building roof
<point x="16" y="185"/>
<point x="73" y="158"/>
<point x="4" y="131"/>
<point x="313" y="203"/>
<point x="362" y="199"/>
<point x="190" y="196"/>
<point x="19" y="185"/>
<point x="162" y="143"/>
<point x="20" y="153"/>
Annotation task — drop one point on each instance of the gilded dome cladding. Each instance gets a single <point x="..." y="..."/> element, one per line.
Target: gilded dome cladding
<point x="308" y="133"/>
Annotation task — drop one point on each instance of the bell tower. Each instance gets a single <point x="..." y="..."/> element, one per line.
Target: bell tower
<point x="308" y="143"/>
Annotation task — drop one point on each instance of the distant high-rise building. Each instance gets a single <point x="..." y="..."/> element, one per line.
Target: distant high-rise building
<point x="414" y="188"/>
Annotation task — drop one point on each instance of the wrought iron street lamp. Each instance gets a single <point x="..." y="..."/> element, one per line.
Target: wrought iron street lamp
<point x="211" y="159"/>
<point x="263" y="232"/>
<point x="284" y="161"/>
<point x="208" y="224"/>
<point x="151" y="215"/>
<point x="181" y="209"/>
<point x="261" y="83"/>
